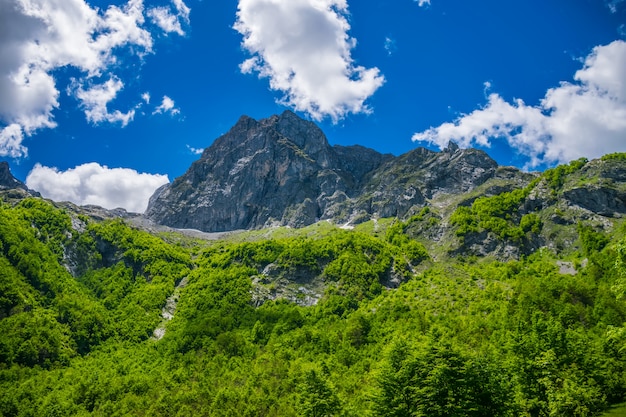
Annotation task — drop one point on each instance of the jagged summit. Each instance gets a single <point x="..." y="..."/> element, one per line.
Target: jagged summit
<point x="7" y="180"/>
<point x="452" y="147"/>
<point x="10" y="186"/>
<point x="287" y="129"/>
<point x="282" y="171"/>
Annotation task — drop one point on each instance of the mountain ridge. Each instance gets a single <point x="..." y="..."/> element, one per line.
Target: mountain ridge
<point x="283" y="171"/>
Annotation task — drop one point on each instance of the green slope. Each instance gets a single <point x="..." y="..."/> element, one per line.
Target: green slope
<point x="381" y="320"/>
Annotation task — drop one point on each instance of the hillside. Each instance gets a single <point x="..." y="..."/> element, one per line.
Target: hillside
<point x="341" y="282"/>
<point x="504" y="300"/>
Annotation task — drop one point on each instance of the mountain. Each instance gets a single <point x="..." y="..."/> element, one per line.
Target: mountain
<point x="282" y="171"/>
<point x="11" y="186"/>
<point x="456" y="275"/>
<point x="7" y="180"/>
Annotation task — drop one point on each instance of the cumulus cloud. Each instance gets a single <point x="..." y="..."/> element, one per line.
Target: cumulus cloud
<point x="95" y="184"/>
<point x="303" y="48"/>
<point x="38" y="37"/>
<point x="168" y="21"/>
<point x="167" y="106"/>
<point x="162" y="17"/>
<point x="96" y="98"/>
<point x="584" y="118"/>
<point x="421" y="3"/>
<point x="11" y="138"/>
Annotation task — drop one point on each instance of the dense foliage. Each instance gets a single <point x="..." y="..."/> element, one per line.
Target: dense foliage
<point x="79" y="301"/>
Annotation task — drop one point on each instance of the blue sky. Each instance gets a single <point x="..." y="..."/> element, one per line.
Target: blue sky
<point x="102" y="101"/>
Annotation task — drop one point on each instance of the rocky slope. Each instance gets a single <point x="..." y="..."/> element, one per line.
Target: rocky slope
<point x="282" y="171"/>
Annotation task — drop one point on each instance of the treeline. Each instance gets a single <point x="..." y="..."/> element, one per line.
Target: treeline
<point x="79" y="301"/>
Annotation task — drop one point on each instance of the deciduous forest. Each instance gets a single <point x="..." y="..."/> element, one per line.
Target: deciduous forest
<point x="101" y="318"/>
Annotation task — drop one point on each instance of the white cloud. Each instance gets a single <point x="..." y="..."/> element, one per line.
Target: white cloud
<point x="146" y="97"/>
<point x="162" y="17"/>
<point x="171" y="22"/>
<point x="422" y="3"/>
<point x="586" y="118"/>
<point x="95" y="100"/>
<point x="38" y="37"/>
<point x="195" y="151"/>
<point x="303" y="47"/>
<point x="390" y="45"/>
<point x="167" y="106"/>
<point x="11" y="138"/>
<point x="96" y="184"/>
<point x="183" y="10"/>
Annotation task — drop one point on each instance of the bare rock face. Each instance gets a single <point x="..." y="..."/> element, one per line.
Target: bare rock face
<point x="7" y="180"/>
<point x="12" y="189"/>
<point x="605" y="201"/>
<point x="274" y="171"/>
<point x="405" y="183"/>
<point x="282" y="171"/>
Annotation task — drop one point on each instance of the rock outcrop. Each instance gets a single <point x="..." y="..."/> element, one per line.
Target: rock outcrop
<point x="12" y="189"/>
<point x="7" y="180"/>
<point x="282" y="171"/>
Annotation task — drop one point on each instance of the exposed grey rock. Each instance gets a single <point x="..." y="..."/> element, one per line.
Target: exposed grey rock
<point x="169" y="309"/>
<point x="282" y="171"/>
<point x="605" y="201"/>
<point x="7" y="180"/>
<point x="277" y="170"/>
<point x="566" y="268"/>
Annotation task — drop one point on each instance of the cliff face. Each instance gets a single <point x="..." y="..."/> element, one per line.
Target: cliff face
<point x="251" y="176"/>
<point x="12" y="189"/>
<point x="282" y="171"/>
<point x="7" y="180"/>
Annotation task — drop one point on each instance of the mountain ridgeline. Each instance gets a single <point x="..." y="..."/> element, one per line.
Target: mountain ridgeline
<point x="282" y="171"/>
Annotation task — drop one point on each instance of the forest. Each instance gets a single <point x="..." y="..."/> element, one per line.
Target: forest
<point x="318" y="321"/>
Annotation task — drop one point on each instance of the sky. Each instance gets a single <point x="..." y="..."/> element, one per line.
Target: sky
<point x="103" y="101"/>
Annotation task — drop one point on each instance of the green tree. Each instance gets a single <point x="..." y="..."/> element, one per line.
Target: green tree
<point x="316" y="397"/>
<point x="437" y="381"/>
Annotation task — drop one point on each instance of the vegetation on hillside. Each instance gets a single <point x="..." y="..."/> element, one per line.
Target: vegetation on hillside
<point x="396" y="332"/>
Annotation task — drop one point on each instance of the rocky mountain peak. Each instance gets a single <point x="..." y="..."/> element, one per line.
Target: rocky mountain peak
<point x="290" y="129"/>
<point x="282" y="171"/>
<point x="452" y="147"/>
<point x="302" y="132"/>
<point x="7" y="180"/>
